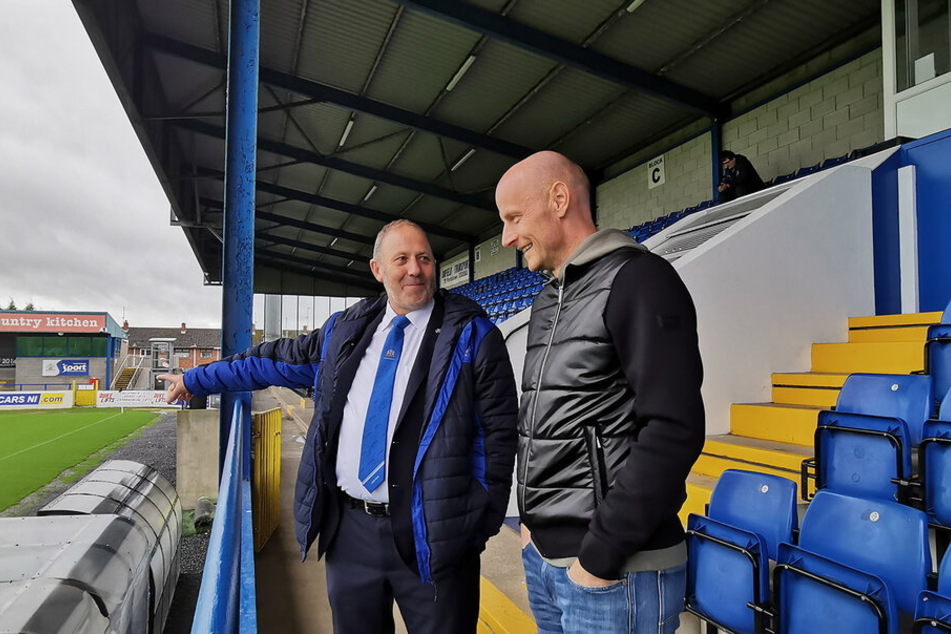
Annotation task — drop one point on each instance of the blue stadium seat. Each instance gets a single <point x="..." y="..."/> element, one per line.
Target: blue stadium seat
<point x="832" y="162"/>
<point x="806" y="171"/>
<point x="934" y="462"/>
<point x="749" y="515"/>
<point x="783" y="178"/>
<point x="864" y="446"/>
<point x="938" y="356"/>
<point x="858" y="564"/>
<point x="933" y="612"/>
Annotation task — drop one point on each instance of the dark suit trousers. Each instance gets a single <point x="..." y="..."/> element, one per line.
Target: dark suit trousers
<point x="365" y="574"/>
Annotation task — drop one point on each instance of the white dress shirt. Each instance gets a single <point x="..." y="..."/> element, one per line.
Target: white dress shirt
<point x="355" y="410"/>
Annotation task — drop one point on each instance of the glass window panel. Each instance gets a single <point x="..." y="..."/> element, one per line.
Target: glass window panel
<point x="922" y="41"/>
<point x="934" y="39"/>
<point x="55" y="346"/>
<point x="29" y="346"/>
<point x="80" y="346"/>
<point x="98" y="347"/>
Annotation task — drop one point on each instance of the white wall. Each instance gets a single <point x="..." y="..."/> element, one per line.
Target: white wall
<point x="925" y="109"/>
<point x="785" y="277"/>
<point x="788" y="275"/>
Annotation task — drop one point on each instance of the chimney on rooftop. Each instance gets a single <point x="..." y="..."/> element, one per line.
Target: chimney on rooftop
<point x="125" y="325"/>
<point x="183" y="327"/>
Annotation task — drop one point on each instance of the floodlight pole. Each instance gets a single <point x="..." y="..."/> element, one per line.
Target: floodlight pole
<point x="237" y="295"/>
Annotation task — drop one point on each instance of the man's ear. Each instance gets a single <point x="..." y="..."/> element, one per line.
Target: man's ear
<point x="376" y="270"/>
<point x="559" y="197"/>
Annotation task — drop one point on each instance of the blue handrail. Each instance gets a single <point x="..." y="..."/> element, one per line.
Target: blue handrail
<point x="226" y="600"/>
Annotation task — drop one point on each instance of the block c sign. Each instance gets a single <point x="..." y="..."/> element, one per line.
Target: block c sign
<point x="655" y="172"/>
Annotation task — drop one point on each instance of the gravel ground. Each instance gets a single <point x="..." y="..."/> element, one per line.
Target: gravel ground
<point x="154" y="446"/>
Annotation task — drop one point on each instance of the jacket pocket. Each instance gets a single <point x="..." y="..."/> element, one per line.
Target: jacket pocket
<point x="599" y="477"/>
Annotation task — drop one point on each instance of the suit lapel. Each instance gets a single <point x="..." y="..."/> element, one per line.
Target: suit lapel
<point x="423" y="358"/>
<point x="348" y="369"/>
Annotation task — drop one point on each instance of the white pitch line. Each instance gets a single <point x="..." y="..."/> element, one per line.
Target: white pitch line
<point x="69" y="433"/>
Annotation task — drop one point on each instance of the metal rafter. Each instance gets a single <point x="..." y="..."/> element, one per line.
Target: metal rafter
<point x="279" y="263"/>
<point x="290" y="242"/>
<point x="304" y="225"/>
<point x="329" y="94"/>
<point x="477" y="19"/>
<point x="331" y="203"/>
<point x="334" y="163"/>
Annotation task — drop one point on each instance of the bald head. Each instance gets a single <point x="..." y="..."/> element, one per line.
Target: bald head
<point x="544" y="204"/>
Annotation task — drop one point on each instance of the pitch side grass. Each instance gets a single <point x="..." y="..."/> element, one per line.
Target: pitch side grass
<point x="37" y="445"/>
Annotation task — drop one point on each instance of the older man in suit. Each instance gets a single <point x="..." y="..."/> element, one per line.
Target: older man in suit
<point x="408" y="461"/>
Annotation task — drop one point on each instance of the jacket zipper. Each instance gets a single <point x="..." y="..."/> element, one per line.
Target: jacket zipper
<point x="538" y="381"/>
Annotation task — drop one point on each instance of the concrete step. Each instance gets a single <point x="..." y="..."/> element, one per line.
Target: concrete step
<point x="886" y="321"/>
<point x="884" y="357"/>
<point x="892" y="333"/>
<point x="699" y="490"/>
<point x="811" y="396"/>
<point x="891" y="328"/>
<point x="754" y="452"/>
<point x="809" y="379"/>
<point x="794" y="424"/>
<point x="713" y="466"/>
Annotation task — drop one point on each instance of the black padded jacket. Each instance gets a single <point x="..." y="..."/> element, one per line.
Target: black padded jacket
<point x="611" y="418"/>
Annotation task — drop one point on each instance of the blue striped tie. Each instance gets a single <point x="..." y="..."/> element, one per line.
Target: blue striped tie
<point x="373" y="450"/>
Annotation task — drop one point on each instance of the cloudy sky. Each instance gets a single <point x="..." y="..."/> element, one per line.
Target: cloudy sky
<point x="84" y="224"/>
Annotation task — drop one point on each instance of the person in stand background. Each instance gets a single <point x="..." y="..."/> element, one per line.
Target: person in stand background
<point x="739" y="177"/>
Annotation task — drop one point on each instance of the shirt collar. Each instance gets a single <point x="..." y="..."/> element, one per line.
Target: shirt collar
<point x="418" y="318"/>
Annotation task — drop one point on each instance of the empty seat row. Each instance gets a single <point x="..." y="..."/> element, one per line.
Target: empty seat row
<point x="505" y="293"/>
<point x="887" y="435"/>
<point x="829" y="163"/>
<point x="646" y="229"/>
<point x="856" y="565"/>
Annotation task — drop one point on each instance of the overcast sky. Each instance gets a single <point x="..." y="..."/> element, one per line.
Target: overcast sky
<point x="84" y="224"/>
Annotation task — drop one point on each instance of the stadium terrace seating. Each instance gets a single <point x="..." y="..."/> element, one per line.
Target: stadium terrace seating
<point x="858" y="564"/>
<point x="505" y="293"/>
<point x="647" y="229"/>
<point x="832" y="162"/>
<point x="933" y="612"/>
<point x="806" y="171"/>
<point x="938" y="356"/>
<point x="864" y="446"/>
<point x="749" y="515"/>
<point x="934" y="459"/>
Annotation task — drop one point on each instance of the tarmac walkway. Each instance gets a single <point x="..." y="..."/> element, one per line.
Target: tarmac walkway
<point x="292" y="597"/>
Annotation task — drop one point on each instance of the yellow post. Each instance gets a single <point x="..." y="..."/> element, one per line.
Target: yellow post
<point x="83" y="398"/>
<point x="265" y="474"/>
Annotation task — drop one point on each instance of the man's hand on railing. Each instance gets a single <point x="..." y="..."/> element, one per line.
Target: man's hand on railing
<point x="176" y="390"/>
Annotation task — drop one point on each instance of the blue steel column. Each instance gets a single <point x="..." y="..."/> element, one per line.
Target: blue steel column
<point x="716" y="145"/>
<point x="472" y="247"/>
<point x="240" y="167"/>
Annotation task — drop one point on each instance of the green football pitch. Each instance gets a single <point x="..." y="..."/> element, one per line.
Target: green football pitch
<point x="38" y="445"/>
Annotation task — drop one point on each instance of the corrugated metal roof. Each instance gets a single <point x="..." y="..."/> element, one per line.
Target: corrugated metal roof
<point x="384" y="65"/>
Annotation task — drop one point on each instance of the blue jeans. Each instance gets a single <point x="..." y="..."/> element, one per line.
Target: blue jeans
<point x="639" y="603"/>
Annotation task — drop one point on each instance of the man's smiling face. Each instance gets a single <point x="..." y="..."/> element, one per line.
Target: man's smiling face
<point x="405" y="265"/>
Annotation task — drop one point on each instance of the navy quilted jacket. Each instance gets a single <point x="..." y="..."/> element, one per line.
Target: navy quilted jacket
<point x="463" y="467"/>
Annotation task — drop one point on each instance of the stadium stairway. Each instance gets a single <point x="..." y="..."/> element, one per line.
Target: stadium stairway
<point x="125" y="377"/>
<point x="775" y="437"/>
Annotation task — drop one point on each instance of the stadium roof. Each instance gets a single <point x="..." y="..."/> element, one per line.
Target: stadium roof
<point x="371" y="110"/>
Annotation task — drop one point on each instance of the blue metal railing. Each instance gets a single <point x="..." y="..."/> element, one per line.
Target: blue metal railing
<point x="26" y="387"/>
<point x="226" y="601"/>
